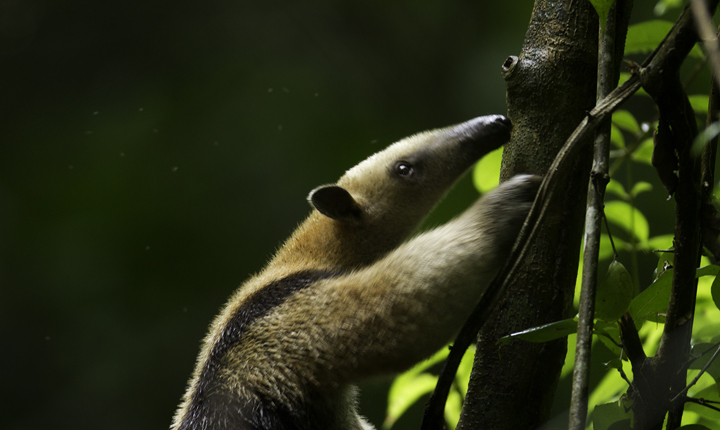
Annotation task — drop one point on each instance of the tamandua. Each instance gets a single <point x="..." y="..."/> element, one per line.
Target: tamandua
<point x="344" y="298"/>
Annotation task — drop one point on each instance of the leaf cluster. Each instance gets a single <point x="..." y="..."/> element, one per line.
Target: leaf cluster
<point x="619" y="293"/>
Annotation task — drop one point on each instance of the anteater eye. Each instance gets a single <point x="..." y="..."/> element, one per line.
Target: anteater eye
<point x="403" y="168"/>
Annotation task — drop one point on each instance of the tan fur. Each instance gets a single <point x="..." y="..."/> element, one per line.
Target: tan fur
<point x="395" y="303"/>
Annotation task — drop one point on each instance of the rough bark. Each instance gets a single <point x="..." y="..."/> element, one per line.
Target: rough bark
<point x="550" y="88"/>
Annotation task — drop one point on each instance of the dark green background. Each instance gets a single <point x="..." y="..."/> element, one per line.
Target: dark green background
<point x="154" y="154"/>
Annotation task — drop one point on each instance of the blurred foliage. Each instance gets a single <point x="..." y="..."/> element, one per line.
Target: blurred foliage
<point x="644" y="295"/>
<point x="156" y="153"/>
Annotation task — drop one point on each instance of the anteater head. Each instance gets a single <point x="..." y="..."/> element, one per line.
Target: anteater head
<point x="383" y="199"/>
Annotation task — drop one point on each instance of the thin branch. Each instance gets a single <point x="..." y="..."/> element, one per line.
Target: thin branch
<point x="694" y="381"/>
<point x="632" y="345"/>
<point x="557" y="174"/>
<point x="703" y="402"/>
<point x="599" y="179"/>
<point x="624" y="376"/>
<point x="710" y="223"/>
<point x="608" y="337"/>
<point x="546" y="197"/>
<point x="661" y="80"/>
<point x="715" y="345"/>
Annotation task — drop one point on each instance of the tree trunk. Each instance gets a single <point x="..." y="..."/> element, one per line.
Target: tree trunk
<point x="550" y="88"/>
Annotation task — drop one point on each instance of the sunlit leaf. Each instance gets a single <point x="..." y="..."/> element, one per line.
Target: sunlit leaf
<point x="626" y="121"/>
<point x="606" y="250"/>
<point x="709" y="417"/>
<point x="453" y="406"/>
<point x="644" y="37"/>
<point x="486" y="174"/>
<point x="410" y="386"/>
<point x="652" y="303"/>
<point x="614" y="293"/>
<point x="615" y="187"/>
<point x="702" y="139"/>
<point x="711" y="270"/>
<point x="664" y="241"/>
<point x="715" y="291"/>
<point x="609" y="335"/>
<point x="694" y="427"/>
<point x="643" y="153"/>
<point x="703" y="352"/>
<point x="617" y="137"/>
<point x="464" y="369"/>
<point x="665" y="261"/>
<point x="640" y="187"/>
<point x="628" y="218"/>
<point x="611" y="416"/>
<point x="404" y="392"/>
<point x="616" y="363"/>
<point x="543" y="333"/>
<point x="699" y="103"/>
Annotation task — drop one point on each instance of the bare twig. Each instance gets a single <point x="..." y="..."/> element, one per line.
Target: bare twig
<point x="609" y="232"/>
<point x="658" y="374"/>
<point x="694" y="381"/>
<point x="676" y="44"/>
<point x="599" y="178"/>
<point x="703" y="402"/>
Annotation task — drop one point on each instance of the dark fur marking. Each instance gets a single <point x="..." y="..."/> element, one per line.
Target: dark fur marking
<point x="212" y="408"/>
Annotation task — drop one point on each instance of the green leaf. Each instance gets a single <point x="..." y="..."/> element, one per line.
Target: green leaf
<point x="630" y="219"/>
<point x="652" y="303"/>
<point x="640" y="187"/>
<point x="665" y="260"/>
<point x="609" y="335"/>
<point x="706" y="416"/>
<point x="453" y="406"/>
<point x="543" y="333"/>
<point x="486" y="174"/>
<point x="715" y="291"/>
<point x="410" y="386"/>
<point x="606" y="250"/>
<point x="699" y="103"/>
<point x="644" y="37"/>
<point x="663" y="5"/>
<point x="702" y="139"/>
<point x="703" y="352"/>
<point x="663" y="241"/>
<point x="616" y="363"/>
<point x="404" y="392"/>
<point x="614" y="294"/>
<point x="694" y="427"/>
<point x="643" y="153"/>
<point x="602" y="7"/>
<point x="462" y="377"/>
<point x="611" y="416"/>
<point x="711" y="270"/>
<point x="615" y="187"/>
<point x="617" y="137"/>
<point x="626" y="121"/>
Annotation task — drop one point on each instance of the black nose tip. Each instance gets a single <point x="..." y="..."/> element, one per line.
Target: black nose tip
<point x="490" y="131"/>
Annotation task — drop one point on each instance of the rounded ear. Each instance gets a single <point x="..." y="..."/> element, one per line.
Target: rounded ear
<point x="335" y="202"/>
